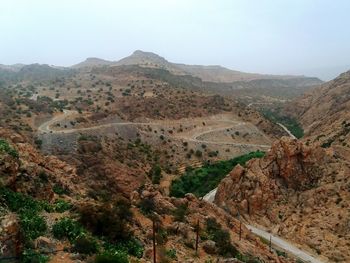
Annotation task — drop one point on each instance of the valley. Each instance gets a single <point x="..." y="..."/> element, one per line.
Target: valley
<point x="180" y="146"/>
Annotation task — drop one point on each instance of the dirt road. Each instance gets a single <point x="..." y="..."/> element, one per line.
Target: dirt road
<point x="45" y="128"/>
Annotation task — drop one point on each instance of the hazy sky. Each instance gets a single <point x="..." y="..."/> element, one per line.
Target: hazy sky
<point x="265" y="36"/>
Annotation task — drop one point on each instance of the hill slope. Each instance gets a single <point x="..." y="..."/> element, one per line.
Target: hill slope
<point x="325" y="111"/>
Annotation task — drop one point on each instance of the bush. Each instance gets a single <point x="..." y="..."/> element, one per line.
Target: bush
<point x="57" y="189"/>
<point x="180" y="213"/>
<point x="147" y="206"/>
<point x="119" y="257"/>
<point x="85" y="245"/>
<point x="6" y="148"/>
<point x="155" y="174"/>
<point x="18" y="202"/>
<point x="110" y="220"/>
<point x="67" y="228"/>
<point x="198" y="153"/>
<point x="171" y="253"/>
<point x="60" y="206"/>
<point x="32" y="225"/>
<point x="31" y="256"/>
<point x="131" y="246"/>
<point x="222" y="238"/>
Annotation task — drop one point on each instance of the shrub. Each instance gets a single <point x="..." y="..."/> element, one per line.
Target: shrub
<point x="31" y="256"/>
<point x="198" y="153"/>
<point x="32" y="225"/>
<point x="18" y="202"/>
<point x="85" y="245"/>
<point x="147" y="206"/>
<point x="180" y="213"/>
<point x="60" y="206"/>
<point x="67" y="228"/>
<point x="119" y="257"/>
<point x="57" y="189"/>
<point x="171" y="253"/>
<point x="131" y="246"/>
<point x="6" y="148"/>
<point x="221" y="237"/>
<point x="110" y="220"/>
<point x="155" y="174"/>
<point x="38" y="142"/>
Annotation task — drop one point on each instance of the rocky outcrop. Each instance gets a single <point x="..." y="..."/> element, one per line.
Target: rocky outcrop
<point x="30" y="171"/>
<point x="9" y="235"/>
<point x="290" y="165"/>
<point x="296" y="191"/>
<point x="182" y="235"/>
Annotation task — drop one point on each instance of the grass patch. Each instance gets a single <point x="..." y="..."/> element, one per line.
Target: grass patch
<point x="202" y="180"/>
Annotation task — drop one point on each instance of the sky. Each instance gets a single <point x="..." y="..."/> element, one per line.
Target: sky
<point x="304" y="37"/>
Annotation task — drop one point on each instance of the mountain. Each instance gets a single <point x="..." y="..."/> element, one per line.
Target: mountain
<point x="324" y="112"/>
<point x="15" y="67"/>
<point x="33" y="72"/>
<point x="93" y="62"/>
<point x="206" y="73"/>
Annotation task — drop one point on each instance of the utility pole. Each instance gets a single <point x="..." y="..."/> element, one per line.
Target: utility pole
<point x="270" y="244"/>
<point x="240" y="229"/>
<point x="154" y="243"/>
<point x="197" y="235"/>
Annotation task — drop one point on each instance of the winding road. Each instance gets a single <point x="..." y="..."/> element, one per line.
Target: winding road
<point x="45" y="128"/>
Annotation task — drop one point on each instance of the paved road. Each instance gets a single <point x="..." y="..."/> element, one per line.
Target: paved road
<point x="286" y="129"/>
<point x="275" y="240"/>
<point x="281" y="243"/>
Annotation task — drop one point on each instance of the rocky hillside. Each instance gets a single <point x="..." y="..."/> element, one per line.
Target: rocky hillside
<point x="325" y="112"/>
<point x="49" y="214"/>
<point x="297" y="191"/>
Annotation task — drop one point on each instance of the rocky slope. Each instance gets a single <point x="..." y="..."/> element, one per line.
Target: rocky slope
<point x="42" y="197"/>
<point x="325" y="112"/>
<point x="297" y="191"/>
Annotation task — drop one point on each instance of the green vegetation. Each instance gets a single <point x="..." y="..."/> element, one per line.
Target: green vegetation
<point x="221" y="237"/>
<point x="57" y="189"/>
<point x="202" y="180"/>
<point x="155" y="174"/>
<point x="67" y="228"/>
<point x="32" y="225"/>
<point x="180" y="213"/>
<point x="289" y="122"/>
<point x="61" y="206"/>
<point x="30" y="256"/>
<point x="6" y="148"/>
<point x="171" y="253"/>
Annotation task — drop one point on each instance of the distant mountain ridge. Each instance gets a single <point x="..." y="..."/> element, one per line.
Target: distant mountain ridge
<point x="211" y="73"/>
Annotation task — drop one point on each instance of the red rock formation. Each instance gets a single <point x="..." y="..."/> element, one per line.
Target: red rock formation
<point x="298" y="191"/>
